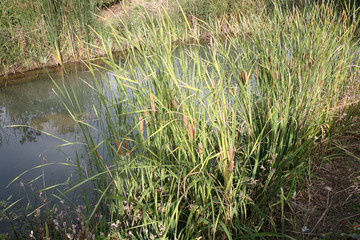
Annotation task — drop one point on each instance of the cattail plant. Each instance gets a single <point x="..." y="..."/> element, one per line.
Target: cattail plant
<point x="214" y="163"/>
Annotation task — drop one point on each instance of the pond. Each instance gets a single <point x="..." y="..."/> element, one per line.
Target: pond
<point x="41" y="115"/>
<point x="34" y="122"/>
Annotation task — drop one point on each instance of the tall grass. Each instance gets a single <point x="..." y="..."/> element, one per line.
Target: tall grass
<point x="39" y="32"/>
<point x="212" y="141"/>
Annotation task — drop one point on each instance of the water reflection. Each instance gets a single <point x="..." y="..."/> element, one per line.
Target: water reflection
<point x="26" y="112"/>
<point x="35" y="104"/>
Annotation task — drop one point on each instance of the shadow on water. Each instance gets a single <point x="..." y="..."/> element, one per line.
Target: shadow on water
<point x="30" y="113"/>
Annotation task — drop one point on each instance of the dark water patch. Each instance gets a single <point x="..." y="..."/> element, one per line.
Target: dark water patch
<point x="33" y="120"/>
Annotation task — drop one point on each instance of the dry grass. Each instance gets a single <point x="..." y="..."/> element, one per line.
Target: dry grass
<point x="127" y="9"/>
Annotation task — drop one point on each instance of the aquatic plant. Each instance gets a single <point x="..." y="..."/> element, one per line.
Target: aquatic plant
<point x="37" y="31"/>
<point x="212" y="140"/>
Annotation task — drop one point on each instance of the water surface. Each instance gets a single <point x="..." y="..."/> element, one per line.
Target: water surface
<point x="27" y="111"/>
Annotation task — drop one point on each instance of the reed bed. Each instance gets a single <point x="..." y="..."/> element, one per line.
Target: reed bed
<point x="212" y="141"/>
<point x="45" y="32"/>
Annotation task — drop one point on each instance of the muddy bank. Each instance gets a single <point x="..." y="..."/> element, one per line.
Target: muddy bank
<point x="23" y="75"/>
<point x="55" y="70"/>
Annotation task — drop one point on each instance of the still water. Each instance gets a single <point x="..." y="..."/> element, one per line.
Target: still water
<point x="45" y="122"/>
<point x="36" y="107"/>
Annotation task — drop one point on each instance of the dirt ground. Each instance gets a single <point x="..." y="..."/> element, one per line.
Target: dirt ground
<point x="136" y="8"/>
<point x="329" y="208"/>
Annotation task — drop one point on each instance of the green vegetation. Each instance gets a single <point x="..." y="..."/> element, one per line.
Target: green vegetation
<point x="34" y="32"/>
<point x="212" y="141"/>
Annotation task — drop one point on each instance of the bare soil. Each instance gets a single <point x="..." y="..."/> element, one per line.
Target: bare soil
<point x="136" y="8"/>
<point x="330" y="205"/>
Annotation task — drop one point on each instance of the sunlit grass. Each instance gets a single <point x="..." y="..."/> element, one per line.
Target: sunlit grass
<point x="44" y="32"/>
<point x="211" y="141"/>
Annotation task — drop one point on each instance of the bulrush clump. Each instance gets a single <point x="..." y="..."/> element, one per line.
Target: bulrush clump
<point x="185" y="170"/>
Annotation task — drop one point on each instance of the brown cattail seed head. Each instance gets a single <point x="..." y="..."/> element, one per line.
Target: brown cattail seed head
<point x="231" y="153"/>
<point x="174" y="103"/>
<point x="191" y="130"/>
<point x="185" y="121"/>
<point x="152" y="102"/>
<point x="231" y="167"/>
<point x="147" y="118"/>
<point x="119" y="149"/>
<point x="126" y="147"/>
<point x="201" y="149"/>
<point x="245" y="76"/>
<point x="141" y="125"/>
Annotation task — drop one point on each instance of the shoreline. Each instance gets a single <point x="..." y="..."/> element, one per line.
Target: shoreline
<point x="23" y="75"/>
<point x="27" y="75"/>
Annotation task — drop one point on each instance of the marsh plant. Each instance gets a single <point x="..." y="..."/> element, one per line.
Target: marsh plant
<point x="32" y="29"/>
<point x="211" y="141"/>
